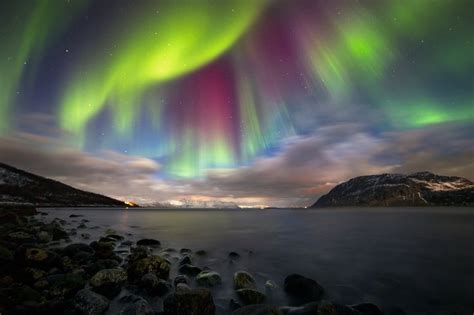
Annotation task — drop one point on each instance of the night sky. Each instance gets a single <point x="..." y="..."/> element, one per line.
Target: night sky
<point x="256" y="102"/>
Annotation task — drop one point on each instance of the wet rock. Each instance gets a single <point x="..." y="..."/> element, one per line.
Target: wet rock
<point x="302" y="290"/>
<point x="196" y="302"/>
<point x="75" y="215"/>
<point x="35" y="257"/>
<point x="17" y="295"/>
<point x="201" y="252"/>
<point x="82" y="225"/>
<point x="87" y="302"/>
<point x="180" y="279"/>
<point x="183" y="251"/>
<point x="66" y="285"/>
<point x="189" y="270"/>
<point x="41" y="284"/>
<point x="108" y="282"/>
<point x="44" y="237"/>
<point x="85" y="236"/>
<point x="153" y="264"/>
<point x="103" y="249"/>
<point x="368" y="309"/>
<point x="138" y="306"/>
<point x="182" y="288"/>
<point x="127" y="243"/>
<point x="257" y="309"/>
<point x="33" y="274"/>
<point x="244" y="280"/>
<point x="57" y="231"/>
<point x="138" y="253"/>
<point x="208" y="278"/>
<point x="233" y="305"/>
<point x="250" y="296"/>
<point x="21" y="237"/>
<point x="186" y="260"/>
<point x="72" y="249"/>
<point x="154" y="285"/>
<point x="100" y="264"/>
<point x="271" y="285"/>
<point x="234" y="255"/>
<point x="6" y="255"/>
<point x="148" y="242"/>
<point x="9" y="217"/>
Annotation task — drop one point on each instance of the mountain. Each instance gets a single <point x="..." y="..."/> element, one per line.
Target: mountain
<point x="18" y="187"/>
<point x="390" y="190"/>
<point x="194" y="204"/>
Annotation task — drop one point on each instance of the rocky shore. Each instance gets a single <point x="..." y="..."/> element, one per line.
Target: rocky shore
<point x="42" y="271"/>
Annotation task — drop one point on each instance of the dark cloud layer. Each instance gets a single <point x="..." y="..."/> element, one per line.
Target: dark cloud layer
<point x="305" y="168"/>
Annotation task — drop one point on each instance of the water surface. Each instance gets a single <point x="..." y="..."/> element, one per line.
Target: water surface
<point x="421" y="260"/>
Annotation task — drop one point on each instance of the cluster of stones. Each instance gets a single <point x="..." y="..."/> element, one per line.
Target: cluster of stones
<point x="39" y="276"/>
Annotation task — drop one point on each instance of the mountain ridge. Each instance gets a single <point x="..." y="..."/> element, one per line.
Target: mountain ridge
<point x="389" y="190"/>
<point x="19" y="187"/>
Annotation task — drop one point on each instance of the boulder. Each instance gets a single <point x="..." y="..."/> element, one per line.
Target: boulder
<point x="257" y="309"/>
<point x="138" y="253"/>
<point x="244" y="280"/>
<point x="72" y="249"/>
<point x="234" y="255"/>
<point x="154" y="285"/>
<point x="302" y="290"/>
<point x="108" y="282"/>
<point x="251" y="296"/>
<point x="44" y="237"/>
<point x="151" y="264"/>
<point x="103" y="249"/>
<point x="208" y="278"/>
<point x="196" y="302"/>
<point x="180" y="279"/>
<point x="186" y="260"/>
<point x="201" y="252"/>
<point x="189" y="270"/>
<point x="35" y="257"/>
<point x="148" y="242"/>
<point x="66" y="285"/>
<point x="87" y="302"/>
<point x="20" y="237"/>
<point x="136" y="306"/>
<point x="183" y="251"/>
<point x="16" y="295"/>
<point x="368" y="309"/>
<point x="6" y="255"/>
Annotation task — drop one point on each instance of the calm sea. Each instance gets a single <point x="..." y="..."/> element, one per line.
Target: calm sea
<point x="420" y="260"/>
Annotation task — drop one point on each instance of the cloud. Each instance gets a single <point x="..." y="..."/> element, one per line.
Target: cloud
<point x="305" y="168"/>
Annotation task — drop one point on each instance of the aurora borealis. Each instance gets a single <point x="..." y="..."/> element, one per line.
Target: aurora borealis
<point x="258" y="102"/>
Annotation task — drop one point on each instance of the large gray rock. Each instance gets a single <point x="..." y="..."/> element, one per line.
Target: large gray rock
<point x="257" y="309"/>
<point x="154" y="285"/>
<point x="244" y="280"/>
<point x="138" y="306"/>
<point x="208" y="278"/>
<point x="250" y="296"/>
<point x="87" y="302"/>
<point x="150" y="264"/>
<point x="108" y="281"/>
<point x="184" y="302"/>
<point x="302" y="290"/>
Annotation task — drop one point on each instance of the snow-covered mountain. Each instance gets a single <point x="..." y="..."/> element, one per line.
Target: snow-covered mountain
<point x="194" y="204"/>
<point x="18" y="187"/>
<point x="418" y="189"/>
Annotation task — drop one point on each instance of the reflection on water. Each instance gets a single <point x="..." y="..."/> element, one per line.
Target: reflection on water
<point x="418" y="259"/>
